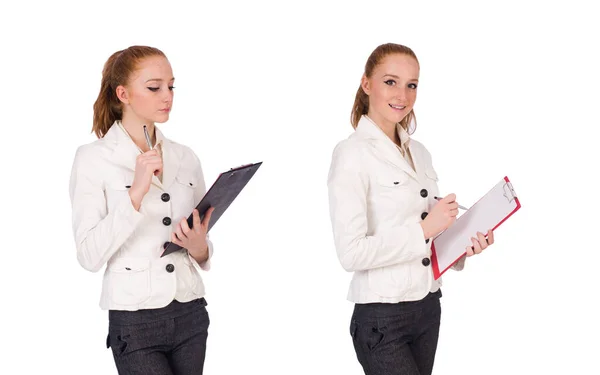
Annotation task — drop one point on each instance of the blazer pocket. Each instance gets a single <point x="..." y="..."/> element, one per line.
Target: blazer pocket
<point x="391" y="281"/>
<point x="430" y="172"/>
<point x="187" y="179"/>
<point x="392" y="182"/>
<point x="184" y="192"/>
<point x="129" y="280"/>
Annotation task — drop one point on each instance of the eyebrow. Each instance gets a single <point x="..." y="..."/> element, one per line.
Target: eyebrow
<point x="395" y="76"/>
<point x="159" y="79"/>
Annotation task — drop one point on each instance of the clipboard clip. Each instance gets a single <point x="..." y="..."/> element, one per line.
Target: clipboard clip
<point x="240" y="167"/>
<point x="509" y="192"/>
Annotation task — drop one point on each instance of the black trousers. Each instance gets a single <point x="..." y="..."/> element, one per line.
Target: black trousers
<point x="397" y="338"/>
<point x="166" y="341"/>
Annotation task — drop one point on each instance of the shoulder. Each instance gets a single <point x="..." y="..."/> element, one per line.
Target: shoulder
<point x="419" y="148"/>
<point x="91" y="151"/>
<point x="186" y="154"/>
<point x="352" y="147"/>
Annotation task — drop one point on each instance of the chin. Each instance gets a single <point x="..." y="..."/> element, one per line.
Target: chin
<point x="161" y="119"/>
<point x="397" y="117"/>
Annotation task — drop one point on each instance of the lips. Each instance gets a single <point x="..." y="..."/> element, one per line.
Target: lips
<point x="398" y="107"/>
<point x="165" y="109"/>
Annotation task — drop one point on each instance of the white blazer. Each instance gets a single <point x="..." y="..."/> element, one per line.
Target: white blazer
<point x="108" y="230"/>
<point x="376" y="205"/>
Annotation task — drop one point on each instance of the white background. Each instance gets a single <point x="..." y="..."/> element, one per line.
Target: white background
<point x="505" y="89"/>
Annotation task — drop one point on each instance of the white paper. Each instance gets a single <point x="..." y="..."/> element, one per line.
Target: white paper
<point x="485" y="214"/>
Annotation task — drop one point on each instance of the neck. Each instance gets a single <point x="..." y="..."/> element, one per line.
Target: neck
<point x="135" y="128"/>
<point x="388" y="128"/>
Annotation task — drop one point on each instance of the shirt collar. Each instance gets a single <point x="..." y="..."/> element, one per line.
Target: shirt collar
<point x="158" y="135"/>
<point x="370" y="128"/>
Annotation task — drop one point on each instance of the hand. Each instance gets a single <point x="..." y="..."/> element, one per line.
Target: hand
<point x="441" y="216"/>
<point x="480" y="243"/>
<point x="194" y="239"/>
<point x="147" y="165"/>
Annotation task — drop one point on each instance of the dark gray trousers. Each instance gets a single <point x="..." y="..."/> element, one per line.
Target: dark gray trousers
<point x="166" y="341"/>
<point x="397" y="338"/>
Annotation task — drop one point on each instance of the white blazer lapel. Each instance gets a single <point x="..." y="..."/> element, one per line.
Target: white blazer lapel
<point x="124" y="152"/>
<point x="382" y="146"/>
<point x="171" y="163"/>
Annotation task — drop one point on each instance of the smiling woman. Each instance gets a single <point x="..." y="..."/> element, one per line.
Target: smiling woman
<point x="125" y="188"/>
<point x="382" y="189"/>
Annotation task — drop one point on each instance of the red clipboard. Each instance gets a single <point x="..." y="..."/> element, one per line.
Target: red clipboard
<point x="491" y="210"/>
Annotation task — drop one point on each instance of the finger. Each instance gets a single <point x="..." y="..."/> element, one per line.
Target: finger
<point x="470" y="251"/>
<point x="476" y="245"/>
<point x="176" y="240"/>
<point x="196" y="221"/>
<point x="179" y="231"/>
<point x="490" y="237"/>
<point x="154" y="166"/>
<point x="449" y="198"/>
<point x="207" y="217"/>
<point x="482" y="240"/>
<point x="454" y="213"/>
<point x="184" y="226"/>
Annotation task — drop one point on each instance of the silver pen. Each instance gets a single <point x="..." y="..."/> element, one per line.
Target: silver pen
<point x="459" y="206"/>
<point x="147" y="137"/>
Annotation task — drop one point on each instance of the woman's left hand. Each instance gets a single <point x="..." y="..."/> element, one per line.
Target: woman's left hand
<point x="480" y="243"/>
<point x="193" y="239"/>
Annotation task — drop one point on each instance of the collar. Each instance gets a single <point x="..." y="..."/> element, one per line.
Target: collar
<point x="368" y="129"/>
<point x="125" y="136"/>
<point x="383" y="146"/>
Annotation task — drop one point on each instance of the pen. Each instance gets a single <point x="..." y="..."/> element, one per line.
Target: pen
<point x="147" y="137"/>
<point x="459" y="206"/>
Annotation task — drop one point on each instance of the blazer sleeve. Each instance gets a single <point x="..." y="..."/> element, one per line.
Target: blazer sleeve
<point x="199" y="193"/>
<point x="348" y="187"/>
<point x="98" y="233"/>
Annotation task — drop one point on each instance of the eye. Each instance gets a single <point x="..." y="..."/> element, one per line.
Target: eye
<point x="390" y="82"/>
<point x="171" y="88"/>
<point x="412" y="85"/>
<point x="153" y="89"/>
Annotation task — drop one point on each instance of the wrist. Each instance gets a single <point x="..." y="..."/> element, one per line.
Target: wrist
<point x="136" y="200"/>
<point x="200" y="255"/>
<point x="426" y="233"/>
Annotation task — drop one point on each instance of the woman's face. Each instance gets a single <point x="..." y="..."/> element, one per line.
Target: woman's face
<point x="148" y="96"/>
<point x="392" y="89"/>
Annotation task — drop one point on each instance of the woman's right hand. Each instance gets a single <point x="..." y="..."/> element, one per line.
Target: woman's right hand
<point x="147" y="165"/>
<point x="441" y="216"/>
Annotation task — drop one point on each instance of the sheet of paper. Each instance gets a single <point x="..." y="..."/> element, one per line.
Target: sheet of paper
<point x="487" y="213"/>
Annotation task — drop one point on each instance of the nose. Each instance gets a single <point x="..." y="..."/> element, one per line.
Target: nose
<point x="401" y="93"/>
<point x="168" y="97"/>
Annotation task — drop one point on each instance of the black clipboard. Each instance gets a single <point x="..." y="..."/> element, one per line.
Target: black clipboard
<point x="220" y="196"/>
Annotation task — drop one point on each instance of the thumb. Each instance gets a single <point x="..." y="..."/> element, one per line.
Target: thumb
<point x="449" y="198"/>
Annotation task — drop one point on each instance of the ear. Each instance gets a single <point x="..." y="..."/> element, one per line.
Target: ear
<point x="365" y="84"/>
<point x="122" y="94"/>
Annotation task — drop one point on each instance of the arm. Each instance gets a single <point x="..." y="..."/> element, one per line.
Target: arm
<point x="98" y="233"/>
<point x="348" y="186"/>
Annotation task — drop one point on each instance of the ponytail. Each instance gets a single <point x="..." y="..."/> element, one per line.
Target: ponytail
<point x="107" y="108"/>
<point x="360" y="107"/>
